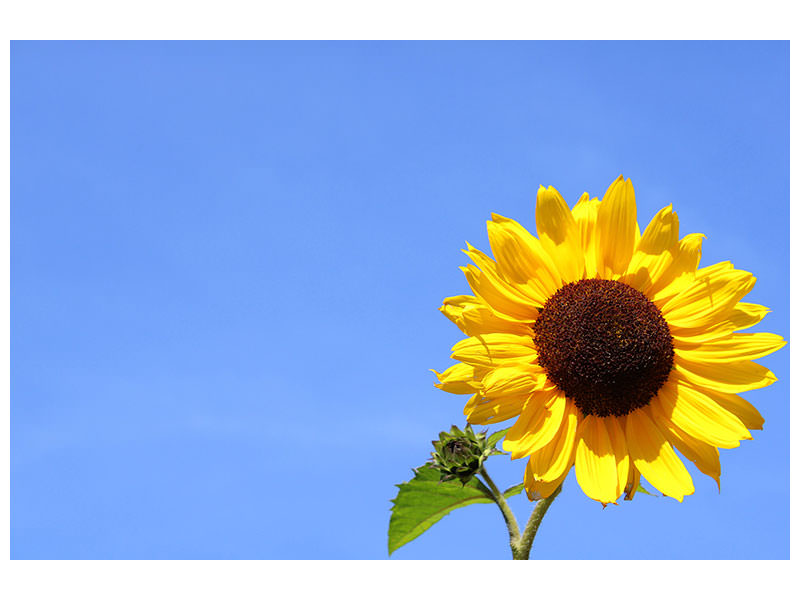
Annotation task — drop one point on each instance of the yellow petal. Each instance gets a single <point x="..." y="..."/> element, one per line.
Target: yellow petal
<point x="653" y="253"/>
<point x="703" y="455"/>
<point x="746" y="314"/>
<point x="585" y="215"/>
<point x="530" y="418"/>
<point x="458" y="379"/>
<point x="488" y="292"/>
<point x="699" y="416"/>
<point x="510" y="301"/>
<point x="720" y="267"/>
<point x="746" y="412"/>
<point x="739" y="346"/>
<point x="538" y="489"/>
<point x="741" y="316"/>
<point x="697" y="335"/>
<point x="633" y="482"/>
<point x="681" y="270"/>
<point x="473" y="316"/>
<point x="661" y="234"/>
<point x="521" y="292"/>
<point x="485" y="411"/>
<point x="521" y="257"/>
<point x="550" y="463"/>
<point x="595" y="463"/>
<point x="616" y="432"/>
<point x="654" y="457"/>
<point x="534" y="431"/>
<point x="733" y="377"/>
<point x="513" y="380"/>
<point x="708" y="298"/>
<point x="495" y="349"/>
<point x="559" y="234"/>
<point x="616" y="228"/>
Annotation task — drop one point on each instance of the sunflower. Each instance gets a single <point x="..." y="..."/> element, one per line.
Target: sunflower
<point x="609" y="347"/>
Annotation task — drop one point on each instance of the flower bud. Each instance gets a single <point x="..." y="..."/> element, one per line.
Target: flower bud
<point x="460" y="454"/>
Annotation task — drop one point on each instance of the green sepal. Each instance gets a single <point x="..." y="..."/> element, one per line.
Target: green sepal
<point x="643" y="490"/>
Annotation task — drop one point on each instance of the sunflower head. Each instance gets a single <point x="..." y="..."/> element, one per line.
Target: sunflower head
<point x="609" y="346"/>
<point x="460" y="454"/>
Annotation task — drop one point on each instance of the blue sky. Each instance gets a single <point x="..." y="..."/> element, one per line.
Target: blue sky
<point x="227" y="259"/>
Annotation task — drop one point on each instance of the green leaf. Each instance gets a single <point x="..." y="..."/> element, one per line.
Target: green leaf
<point x="423" y="501"/>
<point x="496" y="437"/>
<point x="514" y="490"/>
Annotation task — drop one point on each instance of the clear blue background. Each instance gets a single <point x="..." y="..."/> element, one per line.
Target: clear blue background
<point x="227" y="260"/>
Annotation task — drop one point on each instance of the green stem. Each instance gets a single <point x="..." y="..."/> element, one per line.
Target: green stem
<point x="523" y="549"/>
<point x="508" y="516"/>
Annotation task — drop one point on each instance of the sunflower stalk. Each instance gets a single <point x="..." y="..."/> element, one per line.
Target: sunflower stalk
<point x="520" y="544"/>
<point x="508" y="515"/>
<point x="524" y="547"/>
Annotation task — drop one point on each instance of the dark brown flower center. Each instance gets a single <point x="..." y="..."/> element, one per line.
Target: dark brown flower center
<point x="605" y="344"/>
